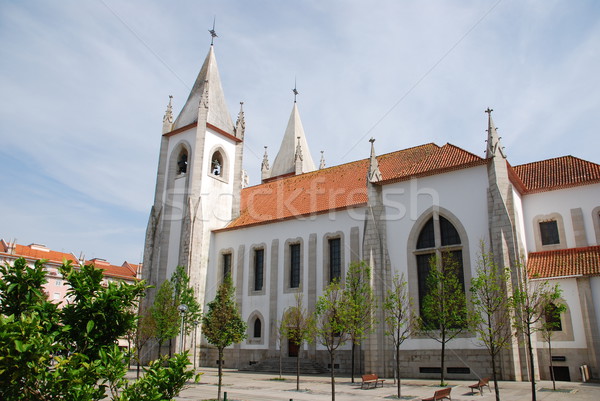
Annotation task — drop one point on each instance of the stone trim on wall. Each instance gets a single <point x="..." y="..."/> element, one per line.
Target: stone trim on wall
<point x="220" y="266"/>
<point x="596" y="221"/>
<point x="326" y="267"/>
<point x="287" y="266"/>
<point x="540" y="218"/>
<point x="250" y="332"/>
<point x="251" y="271"/>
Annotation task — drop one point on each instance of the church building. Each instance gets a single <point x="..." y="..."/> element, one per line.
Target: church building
<point x="302" y="226"/>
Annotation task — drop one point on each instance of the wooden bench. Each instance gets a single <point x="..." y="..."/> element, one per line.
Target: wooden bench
<point x="371" y="379"/>
<point x="480" y="385"/>
<point x="440" y="395"/>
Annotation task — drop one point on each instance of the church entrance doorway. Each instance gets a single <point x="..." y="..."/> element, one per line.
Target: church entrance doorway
<point x="292" y="349"/>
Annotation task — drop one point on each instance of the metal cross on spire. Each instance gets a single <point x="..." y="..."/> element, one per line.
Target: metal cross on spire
<point x="489" y="111"/>
<point x="296" y="93"/>
<point x="213" y="33"/>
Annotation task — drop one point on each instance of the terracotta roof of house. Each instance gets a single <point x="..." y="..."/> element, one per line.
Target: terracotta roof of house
<point x="565" y="262"/>
<point x="342" y="186"/>
<point x="557" y="173"/>
<point x="37" y="252"/>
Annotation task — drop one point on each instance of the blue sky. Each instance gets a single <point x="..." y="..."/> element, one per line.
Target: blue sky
<point x="85" y="84"/>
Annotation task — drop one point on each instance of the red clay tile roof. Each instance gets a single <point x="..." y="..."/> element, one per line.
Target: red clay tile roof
<point x="565" y="262"/>
<point x="557" y="173"/>
<point x="36" y="252"/>
<point x="342" y="186"/>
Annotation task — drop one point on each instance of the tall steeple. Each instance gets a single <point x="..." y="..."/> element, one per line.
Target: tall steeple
<point x="374" y="173"/>
<point x="294" y="137"/>
<point x="208" y="80"/>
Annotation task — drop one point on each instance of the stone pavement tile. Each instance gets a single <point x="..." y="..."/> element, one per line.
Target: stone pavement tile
<point x="251" y="386"/>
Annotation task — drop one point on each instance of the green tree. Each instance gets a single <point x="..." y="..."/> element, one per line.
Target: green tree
<point x="491" y="309"/>
<point x="145" y="330"/>
<point x="298" y="328"/>
<point x="185" y="294"/>
<point x="47" y="355"/>
<point x="399" y="321"/>
<point x="331" y="316"/>
<point x="530" y="300"/>
<point x="444" y="310"/>
<point x="222" y="324"/>
<point x="361" y="303"/>
<point x="165" y="314"/>
<point x="551" y="323"/>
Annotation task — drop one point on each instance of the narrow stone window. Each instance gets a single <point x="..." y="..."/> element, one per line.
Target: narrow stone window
<point x="549" y="232"/>
<point x="257" y="328"/>
<point x="335" y="260"/>
<point x="259" y="262"/>
<point x="226" y="264"/>
<point x="294" y="265"/>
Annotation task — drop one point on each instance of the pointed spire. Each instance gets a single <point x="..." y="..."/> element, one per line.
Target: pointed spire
<point x="207" y="88"/>
<point x="493" y="140"/>
<point x="240" y="124"/>
<point x="168" y="117"/>
<point x="374" y="174"/>
<point x="285" y="161"/>
<point x="322" y="163"/>
<point x="264" y="167"/>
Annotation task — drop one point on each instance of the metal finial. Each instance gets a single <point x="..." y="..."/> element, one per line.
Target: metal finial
<point x="296" y="93"/>
<point x="489" y="111"/>
<point x="372" y="140"/>
<point x="213" y="33"/>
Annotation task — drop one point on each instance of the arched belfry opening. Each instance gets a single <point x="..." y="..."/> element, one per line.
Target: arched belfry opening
<point x="182" y="161"/>
<point x="216" y="163"/>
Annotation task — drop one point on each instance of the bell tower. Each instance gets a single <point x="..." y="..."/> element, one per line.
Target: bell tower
<point x="198" y="182"/>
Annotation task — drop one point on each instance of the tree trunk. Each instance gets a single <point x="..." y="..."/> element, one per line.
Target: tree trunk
<point x="298" y="369"/>
<point x="280" y="359"/>
<point x="398" y="368"/>
<point x="352" y="371"/>
<point x="551" y="365"/>
<point x="220" y="372"/>
<point x="442" y="382"/>
<point x="495" y="376"/>
<point x="531" y="365"/>
<point x="331" y="361"/>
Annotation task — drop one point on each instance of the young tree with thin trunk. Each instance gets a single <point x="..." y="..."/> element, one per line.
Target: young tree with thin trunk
<point x="279" y="335"/>
<point x="361" y="304"/>
<point x="331" y="316"/>
<point x="185" y="294"/>
<point x="165" y="314"/>
<point x="530" y="298"/>
<point x="298" y="328"/>
<point x="550" y="324"/>
<point x="491" y="309"/>
<point x="444" y="309"/>
<point x="399" y="321"/>
<point x="145" y="330"/>
<point x="222" y="324"/>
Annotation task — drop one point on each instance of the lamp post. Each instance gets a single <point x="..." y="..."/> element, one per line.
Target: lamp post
<point x="195" y="323"/>
<point x="182" y="309"/>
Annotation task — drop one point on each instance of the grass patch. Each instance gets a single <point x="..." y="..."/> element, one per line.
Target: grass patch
<point x="277" y="379"/>
<point x="558" y="390"/>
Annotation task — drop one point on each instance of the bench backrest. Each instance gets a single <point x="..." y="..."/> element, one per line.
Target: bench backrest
<point x="443" y="392"/>
<point x="369" y="377"/>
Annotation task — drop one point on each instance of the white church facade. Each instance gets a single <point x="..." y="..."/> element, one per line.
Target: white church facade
<point x="302" y="226"/>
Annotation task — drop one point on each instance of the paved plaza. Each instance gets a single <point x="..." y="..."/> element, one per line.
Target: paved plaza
<point x="246" y="386"/>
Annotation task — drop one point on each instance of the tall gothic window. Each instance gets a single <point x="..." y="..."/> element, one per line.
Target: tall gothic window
<point x="335" y="259"/>
<point x="182" y="162"/>
<point x="259" y="258"/>
<point x="294" y="265"/>
<point x="437" y="239"/>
